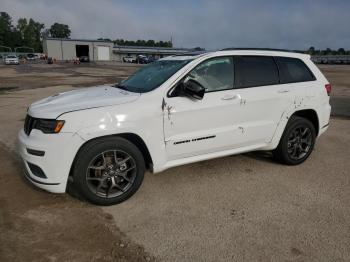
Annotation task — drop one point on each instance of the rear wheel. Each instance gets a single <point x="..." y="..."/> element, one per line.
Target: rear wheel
<point x="297" y="141"/>
<point x="109" y="171"/>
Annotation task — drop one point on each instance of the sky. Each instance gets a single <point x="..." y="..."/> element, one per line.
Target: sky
<point x="290" y="24"/>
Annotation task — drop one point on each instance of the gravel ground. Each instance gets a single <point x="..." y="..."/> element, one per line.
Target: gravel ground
<point x="37" y="226"/>
<point x="238" y="208"/>
<point x="29" y="76"/>
<point x="247" y="207"/>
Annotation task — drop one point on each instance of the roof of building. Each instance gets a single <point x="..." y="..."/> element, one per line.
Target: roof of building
<point x="77" y="40"/>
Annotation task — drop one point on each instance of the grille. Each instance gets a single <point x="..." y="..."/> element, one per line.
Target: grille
<point x="29" y="123"/>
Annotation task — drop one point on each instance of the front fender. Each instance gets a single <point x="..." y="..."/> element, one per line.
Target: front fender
<point x="107" y="121"/>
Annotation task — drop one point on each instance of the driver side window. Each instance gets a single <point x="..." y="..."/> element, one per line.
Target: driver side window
<point x="214" y="74"/>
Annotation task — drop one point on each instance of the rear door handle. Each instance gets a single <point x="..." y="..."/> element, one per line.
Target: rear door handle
<point x="281" y="91"/>
<point x="231" y="97"/>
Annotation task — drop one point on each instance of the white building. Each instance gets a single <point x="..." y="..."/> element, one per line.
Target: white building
<point x="100" y="50"/>
<point x="67" y="49"/>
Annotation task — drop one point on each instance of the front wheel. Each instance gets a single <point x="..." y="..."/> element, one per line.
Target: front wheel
<point x="108" y="171"/>
<point x="297" y="141"/>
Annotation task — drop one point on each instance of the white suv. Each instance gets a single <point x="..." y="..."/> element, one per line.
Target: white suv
<point x="177" y="110"/>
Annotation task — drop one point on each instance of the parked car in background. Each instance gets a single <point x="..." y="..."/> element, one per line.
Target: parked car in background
<point x="129" y="59"/>
<point x="32" y="56"/>
<point x="11" y="60"/>
<point x="142" y="59"/>
<point x="177" y="110"/>
<point x="84" y="59"/>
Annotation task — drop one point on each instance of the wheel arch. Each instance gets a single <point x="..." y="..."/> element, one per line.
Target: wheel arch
<point x="131" y="137"/>
<point x="311" y="115"/>
<point x="307" y="113"/>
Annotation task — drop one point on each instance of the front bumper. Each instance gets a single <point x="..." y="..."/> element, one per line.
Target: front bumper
<point x="59" y="152"/>
<point x="11" y="62"/>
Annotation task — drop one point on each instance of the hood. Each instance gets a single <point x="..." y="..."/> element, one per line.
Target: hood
<point x="85" y="98"/>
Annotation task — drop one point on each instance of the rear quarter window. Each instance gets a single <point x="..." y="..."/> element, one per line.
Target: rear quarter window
<point x="293" y="70"/>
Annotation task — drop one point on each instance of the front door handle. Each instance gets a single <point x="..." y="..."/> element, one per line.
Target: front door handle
<point x="231" y="97"/>
<point x="281" y="91"/>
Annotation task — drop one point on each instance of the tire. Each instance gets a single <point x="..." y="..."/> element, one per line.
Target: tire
<point x="108" y="171"/>
<point x="290" y="143"/>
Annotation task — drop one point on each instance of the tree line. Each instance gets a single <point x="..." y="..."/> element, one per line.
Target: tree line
<point x="28" y="32"/>
<point x="149" y="43"/>
<point x="328" y="51"/>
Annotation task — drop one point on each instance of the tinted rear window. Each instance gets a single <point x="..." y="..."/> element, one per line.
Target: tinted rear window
<point x="255" y="71"/>
<point x="293" y="70"/>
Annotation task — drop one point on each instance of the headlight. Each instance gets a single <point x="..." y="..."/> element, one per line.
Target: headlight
<point x="49" y="126"/>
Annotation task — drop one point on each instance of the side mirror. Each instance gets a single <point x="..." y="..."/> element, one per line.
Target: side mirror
<point x="193" y="89"/>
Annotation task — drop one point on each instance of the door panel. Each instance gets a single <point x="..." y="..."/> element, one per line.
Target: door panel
<point x="261" y="111"/>
<point x="264" y="99"/>
<point x="193" y="127"/>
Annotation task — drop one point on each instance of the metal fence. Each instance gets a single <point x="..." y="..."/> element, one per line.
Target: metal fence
<point x="331" y="59"/>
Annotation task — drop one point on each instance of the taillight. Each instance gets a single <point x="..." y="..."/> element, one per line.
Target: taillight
<point x="328" y="88"/>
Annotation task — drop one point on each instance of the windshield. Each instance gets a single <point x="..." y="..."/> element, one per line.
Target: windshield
<point x="11" y="56"/>
<point x="151" y="76"/>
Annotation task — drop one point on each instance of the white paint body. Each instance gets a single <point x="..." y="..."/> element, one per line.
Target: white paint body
<point x="240" y="119"/>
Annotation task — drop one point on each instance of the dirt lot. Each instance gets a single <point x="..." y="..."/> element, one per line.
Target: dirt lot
<point x="339" y="76"/>
<point x="238" y="208"/>
<point x="28" y="76"/>
<point x="36" y="226"/>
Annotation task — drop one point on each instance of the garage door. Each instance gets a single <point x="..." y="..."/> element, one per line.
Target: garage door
<point x="103" y="53"/>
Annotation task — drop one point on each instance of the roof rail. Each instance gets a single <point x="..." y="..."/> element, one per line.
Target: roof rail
<point x="261" y="49"/>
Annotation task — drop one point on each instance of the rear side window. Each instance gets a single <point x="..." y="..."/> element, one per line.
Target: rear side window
<point x="253" y="71"/>
<point x="293" y="70"/>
